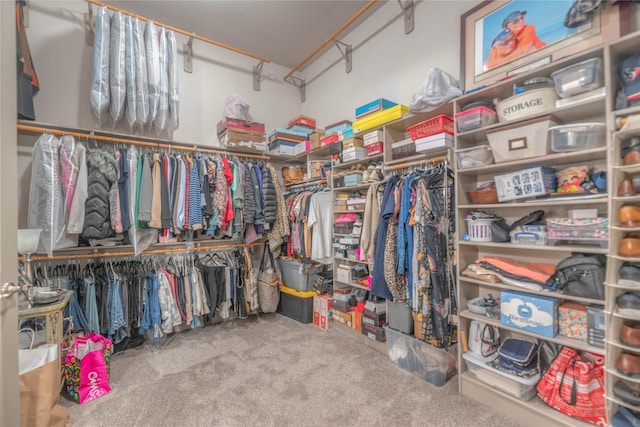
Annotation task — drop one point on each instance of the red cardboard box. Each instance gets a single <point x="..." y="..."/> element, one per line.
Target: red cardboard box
<point x="322" y="313"/>
<point x="303" y="121"/>
<point x="329" y="139"/>
<point x="376" y="148"/>
<point x="229" y="123"/>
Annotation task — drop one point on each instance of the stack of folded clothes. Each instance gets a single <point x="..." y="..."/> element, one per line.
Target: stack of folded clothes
<point x="528" y="275"/>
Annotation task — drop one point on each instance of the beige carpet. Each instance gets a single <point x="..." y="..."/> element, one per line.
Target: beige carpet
<point x="271" y="370"/>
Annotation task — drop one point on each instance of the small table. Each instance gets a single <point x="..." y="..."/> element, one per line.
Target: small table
<point x="52" y="313"/>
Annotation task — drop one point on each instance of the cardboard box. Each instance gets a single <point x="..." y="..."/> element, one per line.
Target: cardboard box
<point x="380" y="118"/>
<point x="314" y="140"/>
<point x="300" y="130"/>
<point x="328" y="139"/>
<point x="595" y="325"/>
<point x="243" y="139"/>
<point x="572" y="320"/>
<point x="303" y="121"/>
<point x="237" y="124"/>
<point x="526" y="183"/>
<point x="343" y="317"/>
<point x="345" y="134"/>
<point x="343" y="275"/>
<point x="285" y="148"/>
<point x="375" y="148"/>
<point x="376" y="333"/>
<point x="374" y="318"/>
<point x="338" y="127"/>
<point x="439" y="140"/>
<point x="322" y="311"/>
<point x="301" y="148"/>
<point x="355" y="153"/>
<point x="288" y="134"/>
<point x="532" y="313"/>
<point x="372" y="137"/>
<point x="352" y="142"/>
<point x="373" y="107"/>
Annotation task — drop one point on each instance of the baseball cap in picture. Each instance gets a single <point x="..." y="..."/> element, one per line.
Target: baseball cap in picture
<point x="629" y="71"/>
<point x="513" y="17"/>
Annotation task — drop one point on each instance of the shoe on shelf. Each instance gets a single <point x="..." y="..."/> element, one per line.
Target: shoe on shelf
<point x="629" y="275"/>
<point x="629" y="216"/>
<point x="630" y="246"/>
<point x="626" y="188"/>
<point x="628" y="364"/>
<point x="630" y="333"/>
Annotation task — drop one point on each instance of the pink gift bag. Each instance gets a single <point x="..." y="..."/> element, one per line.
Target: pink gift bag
<point x="86" y="368"/>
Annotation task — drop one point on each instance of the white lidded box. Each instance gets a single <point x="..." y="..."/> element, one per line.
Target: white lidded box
<point x="577" y="136"/>
<point x="434" y="141"/>
<point x="522" y="388"/>
<point x="471" y="157"/>
<point x="579" y="78"/>
<point x="526" y="104"/>
<point x="521" y="140"/>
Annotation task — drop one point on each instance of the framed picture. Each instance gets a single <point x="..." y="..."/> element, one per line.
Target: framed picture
<point x="502" y="37"/>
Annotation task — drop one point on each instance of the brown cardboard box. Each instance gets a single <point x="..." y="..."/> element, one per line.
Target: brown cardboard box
<point x="240" y="138"/>
<point x="322" y="311"/>
<point x="314" y="139"/>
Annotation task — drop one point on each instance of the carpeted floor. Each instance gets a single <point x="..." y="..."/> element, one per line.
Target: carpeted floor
<point x="271" y="370"/>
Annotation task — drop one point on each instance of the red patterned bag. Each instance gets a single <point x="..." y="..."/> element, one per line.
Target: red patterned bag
<point x="574" y="385"/>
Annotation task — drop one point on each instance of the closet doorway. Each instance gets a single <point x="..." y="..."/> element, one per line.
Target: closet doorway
<point x="9" y="398"/>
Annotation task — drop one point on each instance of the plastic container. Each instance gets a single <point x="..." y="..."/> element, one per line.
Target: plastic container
<point x="575" y="137"/>
<point x="296" y="305"/>
<point x="479" y="230"/>
<point x="434" y="365"/>
<point x="400" y="318"/>
<point x="296" y="276"/>
<point x="522" y="388"/>
<point x="353" y="179"/>
<point x="521" y="140"/>
<point x="475" y="118"/>
<point x="403" y="149"/>
<point x="579" y="78"/>
<point x="472" y="157"/>
<point x="529" y="103"/>
<point x="432" y="126"/>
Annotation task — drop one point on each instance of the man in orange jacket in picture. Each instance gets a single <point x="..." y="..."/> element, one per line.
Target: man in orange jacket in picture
<point x="515" y="39"/>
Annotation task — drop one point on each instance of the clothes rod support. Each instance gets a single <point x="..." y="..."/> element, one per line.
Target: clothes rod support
<point x="301" y="84"/>
<point x="257" y="76"/>
<point x="346" y="54"/>
<point x="188" y="56"/>
<point x="89" y="25"/>
<point x="407" y="8"/>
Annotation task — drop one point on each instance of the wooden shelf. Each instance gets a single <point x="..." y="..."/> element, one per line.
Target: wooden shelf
<point x="353" y="211"/>
<point x="592" y="249"/>
<point x="365" y="161"/>
<point x="569" y="342"/>
<point x="534" y="203"/>
<point x="352" y="284"/>
<point x="349" y="259"/>
<point x="346" y="235"/>
<point x="552" y="294"/>
<point x="355" y="187"/>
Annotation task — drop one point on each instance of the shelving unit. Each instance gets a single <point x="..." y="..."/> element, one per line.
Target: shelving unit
<point x="533" y="412"/>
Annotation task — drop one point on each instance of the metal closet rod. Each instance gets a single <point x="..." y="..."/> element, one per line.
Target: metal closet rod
<point x="331" y="38"/>
<point x="433" y="160"/>
<point x="132" y="253"/>
<point x="178" y="30"/>
<point x="178" y="146"/>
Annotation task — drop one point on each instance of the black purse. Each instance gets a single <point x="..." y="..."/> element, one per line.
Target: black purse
<point x="582" y="275"/>
<point x="500" y="230"/>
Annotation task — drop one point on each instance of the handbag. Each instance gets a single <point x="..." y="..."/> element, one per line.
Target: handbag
<point x="484" y="339"/>
<point x="292" y="174"/>
<point x="268" y="292"/>
<point x="582" y="275"/>
<point x="86" y="368"/>
<point x="518" y="355"/>
<point x="574" y="385"/>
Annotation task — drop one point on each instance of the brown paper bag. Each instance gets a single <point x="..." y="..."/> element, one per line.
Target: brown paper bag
<point x="39" y="393"/>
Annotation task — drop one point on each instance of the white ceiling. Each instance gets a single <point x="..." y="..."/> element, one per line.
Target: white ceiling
<point x="284" y="32"/>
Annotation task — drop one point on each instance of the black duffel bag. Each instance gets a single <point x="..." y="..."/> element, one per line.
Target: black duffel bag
<point x="582" y="275"/>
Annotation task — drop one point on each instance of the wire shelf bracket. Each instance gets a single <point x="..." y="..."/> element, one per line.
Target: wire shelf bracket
<point x="257" y="76"/>
<point x="301" y="84"/>
<point x="346" y="54"/>
<point x="407" y="8"/>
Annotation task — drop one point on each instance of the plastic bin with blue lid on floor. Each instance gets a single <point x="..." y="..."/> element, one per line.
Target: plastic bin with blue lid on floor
<point x="434" y="365"/>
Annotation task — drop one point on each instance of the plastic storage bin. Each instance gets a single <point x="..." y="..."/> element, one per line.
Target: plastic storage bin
<point x="434" y="365"/>
<point x="475" y="118"/>
<point x="578" y="136"/>
<point x="522" y="388"/>
<point x="296" y="275"/>
<point x="474" y="156"/>
<point x="296" y="305"/>
<point x="578" y="78"/>
<point x="403" y="149"/>
<point x="479" y="230"/>
<point x="399" y="316"/>
<point x="432" y="126"/>
<point x="353" y="179"/>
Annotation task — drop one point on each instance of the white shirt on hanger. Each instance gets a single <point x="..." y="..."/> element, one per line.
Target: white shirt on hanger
<point x="320" y="220"/>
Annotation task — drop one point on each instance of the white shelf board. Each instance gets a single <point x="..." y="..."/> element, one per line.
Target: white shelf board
<point x="541" y="203"/>
<point x="592" y="249"/>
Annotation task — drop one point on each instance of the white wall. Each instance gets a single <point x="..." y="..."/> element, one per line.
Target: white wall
<point x="387" y="63"/>
<point x="64" y="65"/>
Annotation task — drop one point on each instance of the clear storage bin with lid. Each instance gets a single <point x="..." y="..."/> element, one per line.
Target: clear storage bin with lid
<point x="577" y="136"/>
<point x="578" y="78"/>
<point x="471" y="157"/>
